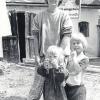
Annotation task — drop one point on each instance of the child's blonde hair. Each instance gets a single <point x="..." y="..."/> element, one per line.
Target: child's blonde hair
<point x="58" y="51"/>
<point x="54" y="49"/>
<point x="80" y="37"/>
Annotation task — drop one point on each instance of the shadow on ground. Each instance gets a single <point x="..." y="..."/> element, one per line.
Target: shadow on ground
<point x="14" y="98"/>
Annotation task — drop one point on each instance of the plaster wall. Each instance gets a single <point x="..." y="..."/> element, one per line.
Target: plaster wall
<point x="90" y="16"/>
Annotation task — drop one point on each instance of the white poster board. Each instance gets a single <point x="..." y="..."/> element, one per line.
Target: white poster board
<point x="73" y="6"/>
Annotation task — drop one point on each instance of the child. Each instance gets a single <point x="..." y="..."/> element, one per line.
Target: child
<point x="54" y="71"/>
<point x="77" y="63"/>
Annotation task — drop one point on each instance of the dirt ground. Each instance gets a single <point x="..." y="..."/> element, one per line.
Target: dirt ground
<point x="16" y="81"/>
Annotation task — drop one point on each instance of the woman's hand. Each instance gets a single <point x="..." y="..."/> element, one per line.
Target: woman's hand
<point x="37" y="60"/>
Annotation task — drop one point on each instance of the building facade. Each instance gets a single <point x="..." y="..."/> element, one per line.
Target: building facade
<point x="21" y="40"/>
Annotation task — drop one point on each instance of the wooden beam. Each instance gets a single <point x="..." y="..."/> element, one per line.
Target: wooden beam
<point x="90" y="6"/>
<point x="26" y="4"/>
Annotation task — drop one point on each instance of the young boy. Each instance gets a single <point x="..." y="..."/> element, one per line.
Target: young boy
<point x="78" y="62"/>
<point x="54" y="71"/>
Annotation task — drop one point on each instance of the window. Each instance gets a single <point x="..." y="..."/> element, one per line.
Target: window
<point x="84" y="28"/>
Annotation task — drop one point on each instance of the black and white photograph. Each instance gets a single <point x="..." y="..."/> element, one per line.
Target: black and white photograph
<point x="49" y="49"/>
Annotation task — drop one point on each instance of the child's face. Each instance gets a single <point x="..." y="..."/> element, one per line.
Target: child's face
<point x="77" y="46"/>
<point x="53" y="56"/>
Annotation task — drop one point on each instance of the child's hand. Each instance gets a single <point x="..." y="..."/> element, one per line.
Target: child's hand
<point x="74" y="54"/>
<point x="46" y="63"/>
<point x="54" y="63"/>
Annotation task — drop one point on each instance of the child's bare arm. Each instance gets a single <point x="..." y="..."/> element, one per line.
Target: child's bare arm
<point x="75" y="67"/>
<point x="73" y="64"/>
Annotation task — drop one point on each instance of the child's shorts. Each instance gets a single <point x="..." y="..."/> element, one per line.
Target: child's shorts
<point x="77" y="92"/>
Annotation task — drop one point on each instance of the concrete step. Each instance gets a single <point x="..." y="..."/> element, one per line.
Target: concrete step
<point x="93" y="69"/>
<point x="94" y="59"/>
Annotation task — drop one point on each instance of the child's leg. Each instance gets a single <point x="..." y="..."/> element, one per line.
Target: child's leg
<point x="75" y="92"/>
<point x="37" y="87"/>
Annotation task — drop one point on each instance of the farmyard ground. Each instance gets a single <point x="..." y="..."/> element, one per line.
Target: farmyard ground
<point x="16" y="82"/>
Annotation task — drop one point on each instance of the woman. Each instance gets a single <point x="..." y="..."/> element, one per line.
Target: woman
<point x="50" y="27"/>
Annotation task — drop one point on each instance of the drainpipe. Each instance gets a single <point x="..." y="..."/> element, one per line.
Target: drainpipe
<point x="98" y="30"/>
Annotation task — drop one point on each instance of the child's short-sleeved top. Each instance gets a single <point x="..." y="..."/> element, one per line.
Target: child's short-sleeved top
<point x="51" y="26"/>
<point x="83" y="61"/>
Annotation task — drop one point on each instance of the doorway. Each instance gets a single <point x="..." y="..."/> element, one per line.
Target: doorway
<point x="21" y="34"/>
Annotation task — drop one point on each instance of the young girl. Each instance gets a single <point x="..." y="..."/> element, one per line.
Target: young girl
<point x="54" y="71"/>
<point x="78" y="62"/>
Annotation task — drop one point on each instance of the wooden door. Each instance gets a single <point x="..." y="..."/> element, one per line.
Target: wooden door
<point x="29" y="38"/>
